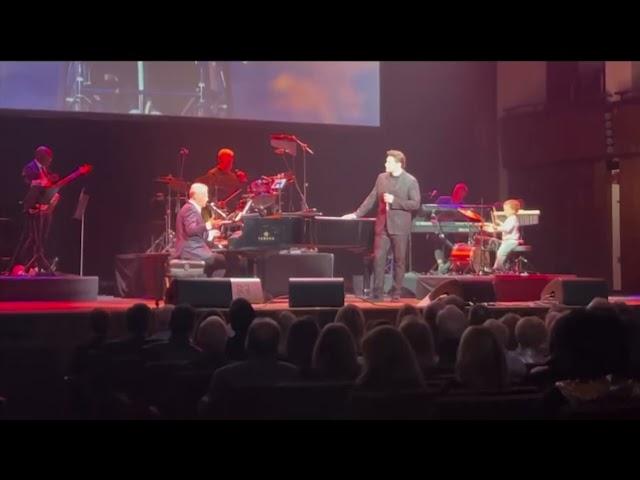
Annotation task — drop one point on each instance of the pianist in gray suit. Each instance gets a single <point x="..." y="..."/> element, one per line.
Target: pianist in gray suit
<point x="398" y="195"/>
<point x="192" y="233"/>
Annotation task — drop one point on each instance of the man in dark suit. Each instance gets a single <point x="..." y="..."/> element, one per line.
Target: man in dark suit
<point x="398" y="194"/>
<point x="192" y="232"/>
<point x="36" y="172"/>
<point x="38" y="217"/>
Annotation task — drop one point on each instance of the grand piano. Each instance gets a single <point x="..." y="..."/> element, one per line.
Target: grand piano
<point x="291" y="230"/>
<point x="262" y="237"/>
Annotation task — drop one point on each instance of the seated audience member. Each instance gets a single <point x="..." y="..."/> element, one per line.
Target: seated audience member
<point x="510" y="320"/>
<point x="284" y="320"/>
<point x="589" y="360"/>
<point x="378" y="322"/>
<point x="241" y="314"/>
<point x="179" y="348"/>
<point x="351" y="316"/>
<point x="430" y="314"/>
<point x="334" y="356"/>
<point x="515" y="365"/>
<point x="481" y="364"/>
<point x="303" y="334"/>
<point x="138" y="319"/>
<point x="419" y="336"/>
<point x="405" y="310"/>
<point x="451" y="323"/>
<point x="478" y="314"/>
<point x="389" y="363"/>
<point x="456" y="301"/>
<point x="261" y="368"/>
<point x="531" y="335"/>
<point x="211" y="338"/>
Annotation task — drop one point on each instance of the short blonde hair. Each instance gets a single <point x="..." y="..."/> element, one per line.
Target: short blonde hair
<point x="513" y="204"/>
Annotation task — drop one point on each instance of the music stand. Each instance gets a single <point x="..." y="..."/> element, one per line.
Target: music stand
<point x="284" y="146"/>
<point x="277" y="188"/>
<point x="81" y="208"/>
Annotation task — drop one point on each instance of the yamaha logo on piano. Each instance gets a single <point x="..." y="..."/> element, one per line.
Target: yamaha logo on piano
<point x="266" y="236"/>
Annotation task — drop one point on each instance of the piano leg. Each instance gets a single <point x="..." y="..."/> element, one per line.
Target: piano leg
<point x="366" y="277"/>
<point x="252" y="266"/>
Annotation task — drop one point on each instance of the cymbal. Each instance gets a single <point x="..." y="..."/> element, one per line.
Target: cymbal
<point x="470" y="215"/>
<point x="220" y="181"/>
<point x="289" y="176"/>
<point x="175" y="184"/>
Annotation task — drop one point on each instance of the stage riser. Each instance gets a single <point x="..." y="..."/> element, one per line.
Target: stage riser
<point x="43" y="289"/>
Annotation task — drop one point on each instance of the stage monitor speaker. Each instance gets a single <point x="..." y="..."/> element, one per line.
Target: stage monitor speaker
<point x="473" y="289"/>
<point x="278" y="269"/>
<point x="213" y="292"/>
<point x="316" y="292"/>
<point x="575" y="291"/>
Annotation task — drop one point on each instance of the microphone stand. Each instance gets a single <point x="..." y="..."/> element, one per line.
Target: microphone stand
<point x="305" y="148"/>
<point x="182" y="156"/>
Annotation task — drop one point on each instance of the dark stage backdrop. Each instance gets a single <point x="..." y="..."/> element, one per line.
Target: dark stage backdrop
<point x="441" y="114"/>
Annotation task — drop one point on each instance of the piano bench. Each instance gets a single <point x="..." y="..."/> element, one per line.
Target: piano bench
<point x="185" y="269"/>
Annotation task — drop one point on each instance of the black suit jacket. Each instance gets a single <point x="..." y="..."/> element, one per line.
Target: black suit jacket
<point x="31" y="172"/>
<point x="406" y="193"/>
<point x="191" y="233"/>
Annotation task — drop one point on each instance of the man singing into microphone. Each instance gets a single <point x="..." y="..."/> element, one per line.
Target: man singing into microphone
<point x="398" y="194"/>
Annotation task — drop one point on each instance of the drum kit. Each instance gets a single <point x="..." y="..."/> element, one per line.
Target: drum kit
<point x="477" y="254"/>
<point x="262" y="196"/>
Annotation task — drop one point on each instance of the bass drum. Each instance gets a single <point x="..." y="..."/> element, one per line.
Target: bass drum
<point x="467" y="258"/>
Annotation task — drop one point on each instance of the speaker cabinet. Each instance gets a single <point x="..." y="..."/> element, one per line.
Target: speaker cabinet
<point x="316" y="292"/>
<point x="278" y="269"/>
<point x="213" y="292"/>
<point x="574" y="291"/>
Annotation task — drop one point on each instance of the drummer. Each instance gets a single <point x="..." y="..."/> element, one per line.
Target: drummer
<point x="223" y="179"/>
<point x="510" y="230"/>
